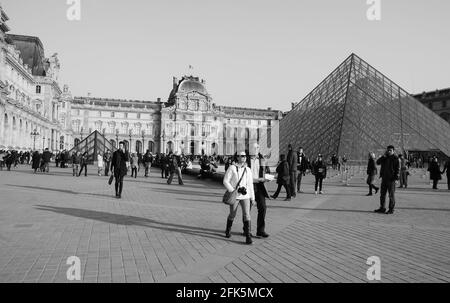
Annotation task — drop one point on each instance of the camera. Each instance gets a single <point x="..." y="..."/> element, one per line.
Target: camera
<point x="242" y="191"/>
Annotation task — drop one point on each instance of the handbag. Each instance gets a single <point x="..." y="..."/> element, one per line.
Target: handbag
<point x="229" y="198"/>
<point x="111" y="178"/>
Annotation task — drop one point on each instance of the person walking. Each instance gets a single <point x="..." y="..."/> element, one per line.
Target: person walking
<point x="175" y="167"/>
<point x="239" y="177"/>
<point x="119" y="166"/>
<point x="283" y="178"/>
<point x="76" y="161"/>
<point x="257" y="165"/>
<point x="100" y="163"/>
<point x="447" y="169"/>
<point x="389" y="174"/>
<point x="134" y="161"/>
<point x="147" y="159"/>
<point x="435" y="172"/>
<point x="35" y="161"/>
<point x="319" y="170"/>
<point x="107" y="162"/>
<point x="292" y="162"/>
<point x="83" y="164"/>
<point x="302" y="165"/>
<point x="371" y="173"/>
<point x="164" y="163"/>
<point x="403" y="172"/>
<point x="46" y="157"/>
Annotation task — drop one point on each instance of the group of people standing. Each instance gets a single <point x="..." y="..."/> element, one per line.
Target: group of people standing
<point x="292" y="169"/>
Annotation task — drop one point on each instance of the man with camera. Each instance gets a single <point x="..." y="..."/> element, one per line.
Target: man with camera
<point x="389" y="174"/>
<point x="239" y="177"/>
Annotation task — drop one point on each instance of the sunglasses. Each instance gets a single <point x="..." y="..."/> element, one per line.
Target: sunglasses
<point x="242" y="156"/>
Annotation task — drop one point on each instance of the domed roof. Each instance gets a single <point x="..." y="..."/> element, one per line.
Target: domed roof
<point x="192" y="84"/>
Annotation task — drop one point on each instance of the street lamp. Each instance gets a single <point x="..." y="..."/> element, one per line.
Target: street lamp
<point x="130" y="133"/>
<point x="143" y="145"/>
<point x="34" y="133"/>
<point x="117" y="137"/>
<point x="43" y="142"/>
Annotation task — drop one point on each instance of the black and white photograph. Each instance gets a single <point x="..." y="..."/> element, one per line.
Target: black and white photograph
<point x="224" y="148"/>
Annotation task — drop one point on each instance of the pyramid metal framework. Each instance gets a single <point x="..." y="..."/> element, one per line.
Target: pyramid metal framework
<point x="93" y="144"/>
<point x="357" y="109"/>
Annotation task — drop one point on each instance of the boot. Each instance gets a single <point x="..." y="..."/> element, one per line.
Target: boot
<point x="228" y="230"/>
<point x="248" y="238"/>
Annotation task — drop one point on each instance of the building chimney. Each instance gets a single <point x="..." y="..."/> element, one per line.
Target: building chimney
<point x="269" y="108"/>
<point x="175" y="82"/>
<point x="293" y="105"/>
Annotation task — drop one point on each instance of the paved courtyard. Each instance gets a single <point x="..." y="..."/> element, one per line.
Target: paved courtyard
<point x="162" y="233"/>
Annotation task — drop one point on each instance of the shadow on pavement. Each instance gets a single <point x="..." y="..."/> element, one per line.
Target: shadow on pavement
<point x="66" y="191"/>
<point x="137" y="221"/>
<point x="172" y="190"/>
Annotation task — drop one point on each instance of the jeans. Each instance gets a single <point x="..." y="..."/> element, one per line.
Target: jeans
<point x="404" y="178"/>
<point x="286" y="186"/>
<point x="107" y="164"/>
<point x="134" y="172"/>
<point x="262" y="208"/>
<point x="75" y="169"/>
<point x="435" y="183"/>
<point x="119" y="183"/>
<point x="85" y="169"/>
<point x="245" y="205"/>
<point x="147" y="166"/>
<point x="319" y="181"/>
<point x="178" y="172"/>
<point x="387" y="187"/>
<point x="369" y="181"/>
<point x="292" y="183"/>
<point x="299" y="180"/>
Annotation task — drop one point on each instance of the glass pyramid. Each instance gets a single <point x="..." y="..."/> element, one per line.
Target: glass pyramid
<point x="356" y="109"/>
<point x="93" y="144"/>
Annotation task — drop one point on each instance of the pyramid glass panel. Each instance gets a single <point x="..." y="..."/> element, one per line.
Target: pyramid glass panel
<point x="357" y="109"/>
<point x="93" y="144"/>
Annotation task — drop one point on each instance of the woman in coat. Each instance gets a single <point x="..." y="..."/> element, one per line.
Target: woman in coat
<point x="447" y="169"/>
<point x="435" y="172"/>
<point x="320" y="172"/>
<point x="35" y="161"/>
<point x="245" y="194"/>
<point x="283" y="178"/>
<point x="371" y="173"/>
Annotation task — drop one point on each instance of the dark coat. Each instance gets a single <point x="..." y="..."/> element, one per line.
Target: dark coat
<point x="119" y="162"/>
<point x="292" y="161"/>
<point x="371" y="168"/>
<point x="36" y="161"/>
<point x="319" y="169"/>
<point x="46" y="156"/>
<point x="390" y="168"/>
<point x="447" y="168"/>
<point x="303" y="165"/>
<point x="76" y="159"/>
<point x="283" y="172"/>
<point x="435" y="172"/>
<point x="260" y="187"/>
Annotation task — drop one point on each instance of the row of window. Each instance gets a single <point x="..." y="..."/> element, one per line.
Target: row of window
<point x="433" y="105"/>
<point x="78" y="112"/>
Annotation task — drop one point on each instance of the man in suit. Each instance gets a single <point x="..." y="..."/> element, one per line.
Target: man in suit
<point x="292" y="162"/>
<point x="389" y="174"/>
<point x="119" y="166"/>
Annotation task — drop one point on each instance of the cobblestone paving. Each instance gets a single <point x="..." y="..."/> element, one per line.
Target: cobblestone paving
<point x="162" y="233"/>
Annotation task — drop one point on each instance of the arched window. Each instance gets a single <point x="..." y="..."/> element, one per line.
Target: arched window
<point x="151" y="146"/>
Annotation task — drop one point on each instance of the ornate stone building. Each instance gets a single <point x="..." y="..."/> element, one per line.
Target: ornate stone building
<point x="31" y="100"/>
<point x="438" y="101"/>
<point x="188" y="122"/>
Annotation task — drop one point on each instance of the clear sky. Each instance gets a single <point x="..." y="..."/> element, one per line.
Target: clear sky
<point x="253" y="53"/>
